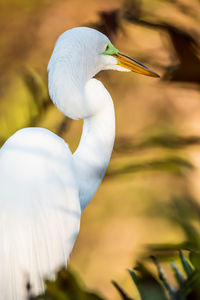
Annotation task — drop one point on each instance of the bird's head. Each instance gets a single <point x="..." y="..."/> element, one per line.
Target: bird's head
<point x="79" y="54"/>
<point x="90" y="49"/>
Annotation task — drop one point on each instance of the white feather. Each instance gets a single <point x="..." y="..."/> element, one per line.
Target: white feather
<point x="39" y="209"/>
<point x="43" y="187"/>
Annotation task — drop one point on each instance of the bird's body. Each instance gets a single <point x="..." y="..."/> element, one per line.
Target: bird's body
<point x="43" y="186"/>
<point x="38" y="226"/>
<point x="41" y="203"/>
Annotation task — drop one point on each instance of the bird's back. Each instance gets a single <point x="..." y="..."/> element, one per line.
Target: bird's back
<point x="39" y="210"/>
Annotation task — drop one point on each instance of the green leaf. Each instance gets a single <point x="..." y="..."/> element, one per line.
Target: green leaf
<point x="122" y="293"/>
<point x="177" y="273"/>
<point x="162" y="277"/>
<point x="66" y="287"/>
<point x="186" y="265"/>
<point x="148" y="286"/>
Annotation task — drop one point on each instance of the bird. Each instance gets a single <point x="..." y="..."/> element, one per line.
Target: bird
<point x="44" y="188"/>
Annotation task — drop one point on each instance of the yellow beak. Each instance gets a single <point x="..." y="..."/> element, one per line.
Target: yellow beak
<point x="133" y="65"/>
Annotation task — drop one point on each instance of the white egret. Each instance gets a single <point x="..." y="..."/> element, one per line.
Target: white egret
<point x="43" y="186"/>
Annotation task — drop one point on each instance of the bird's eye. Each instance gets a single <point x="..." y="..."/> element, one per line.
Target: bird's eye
<point x="106" y="47"/>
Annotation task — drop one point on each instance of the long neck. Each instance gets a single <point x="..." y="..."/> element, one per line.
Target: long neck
<point x="93" y="153"/>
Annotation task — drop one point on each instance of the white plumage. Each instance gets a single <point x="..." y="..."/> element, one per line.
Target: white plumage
<point x="39" y="209"/>
<point x="43" y="187"/>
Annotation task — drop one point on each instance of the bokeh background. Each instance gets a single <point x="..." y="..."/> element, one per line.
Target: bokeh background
<point x="156" y="158"/>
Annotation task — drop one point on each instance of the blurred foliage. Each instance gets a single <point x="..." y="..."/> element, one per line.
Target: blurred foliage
<point x="151" y="287"/>
<point x="186" y="62"/>
<point x="184" y="213"/>
<point x="162" y="140"/>
<point x="185" y="55"/>
<point x="65" y="287"/>
<point x="109" y="23"/>
<point x="173" y="165"/>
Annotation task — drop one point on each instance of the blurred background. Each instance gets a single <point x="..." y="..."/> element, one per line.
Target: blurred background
<point x="154" y="173"/>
